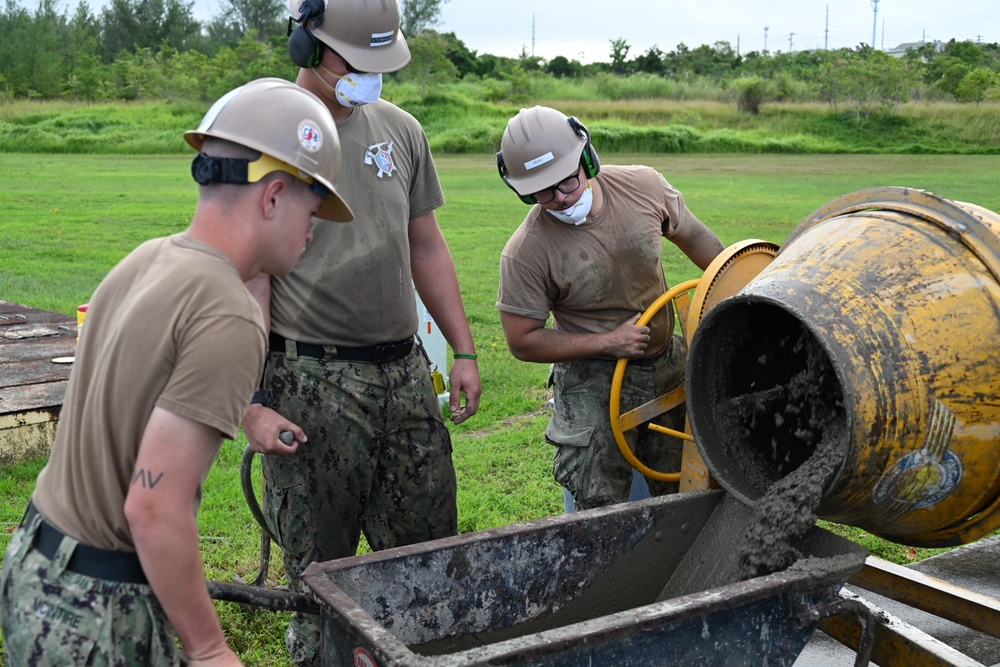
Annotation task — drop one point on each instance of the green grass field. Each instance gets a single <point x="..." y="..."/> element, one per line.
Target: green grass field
<point x="68" y="219"/>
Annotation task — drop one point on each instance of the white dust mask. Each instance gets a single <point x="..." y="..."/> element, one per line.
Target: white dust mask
<point x="577" y="213"/>
<point x="355" y="89"/>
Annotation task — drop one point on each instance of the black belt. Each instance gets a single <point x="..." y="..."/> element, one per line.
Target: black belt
<point x="121" y="566"/>
<point x="374" y="354"/>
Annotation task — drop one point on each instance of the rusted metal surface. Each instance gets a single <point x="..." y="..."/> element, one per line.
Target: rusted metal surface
<point x="973" y="226"/>
<point x="897" y="643"/>
<point x="919" y="404"/>
<point x="844" y="606"/>
<point x="568" y="590"/>
<point x="930" y="594"/>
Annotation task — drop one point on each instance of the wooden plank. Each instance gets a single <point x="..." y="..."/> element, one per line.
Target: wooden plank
<point x="29" y="380"/>
<point x="26" y="372"/>
<point x="38" y="396"/>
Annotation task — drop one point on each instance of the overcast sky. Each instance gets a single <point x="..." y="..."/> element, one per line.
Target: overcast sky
<point x="583" y="29"/>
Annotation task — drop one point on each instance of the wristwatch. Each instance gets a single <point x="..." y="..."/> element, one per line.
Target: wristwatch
<point x="260" y="396"/>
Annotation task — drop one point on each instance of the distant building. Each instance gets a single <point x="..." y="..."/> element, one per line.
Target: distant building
<point x="900" y="51"/>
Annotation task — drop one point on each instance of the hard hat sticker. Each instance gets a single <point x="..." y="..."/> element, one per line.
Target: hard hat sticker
<point x="381" y="38"/>
<point x="310" y="136"/>
<point x="539" y="161"/>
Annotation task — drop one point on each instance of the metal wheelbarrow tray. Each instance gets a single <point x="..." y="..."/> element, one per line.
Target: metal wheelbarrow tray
<point x="640" y="583"/>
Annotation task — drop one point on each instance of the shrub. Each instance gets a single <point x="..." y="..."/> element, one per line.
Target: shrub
<point x="751" y="92"/>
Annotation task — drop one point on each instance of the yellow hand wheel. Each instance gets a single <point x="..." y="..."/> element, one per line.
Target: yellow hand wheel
<point x="728" y="273"/>
<point x="621" y="422"/>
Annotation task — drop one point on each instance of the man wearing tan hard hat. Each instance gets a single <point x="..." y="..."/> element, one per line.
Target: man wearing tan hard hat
<point x="106" y="567"/>
<point x="589" y="254"/>
<point x="345" y="371"/>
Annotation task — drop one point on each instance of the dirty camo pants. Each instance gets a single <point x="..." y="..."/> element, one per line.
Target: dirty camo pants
<point x="51" y="616"/>
<point x="378" y="461"/>
<point x="588" y="461"/>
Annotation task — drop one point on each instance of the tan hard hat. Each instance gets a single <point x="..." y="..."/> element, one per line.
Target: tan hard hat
<point x="287" y="123"/>
<point x="540" y="147"/>
<point x="365" y="33"/>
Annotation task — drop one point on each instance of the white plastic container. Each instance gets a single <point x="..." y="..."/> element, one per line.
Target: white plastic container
<point x="436" y="346"/>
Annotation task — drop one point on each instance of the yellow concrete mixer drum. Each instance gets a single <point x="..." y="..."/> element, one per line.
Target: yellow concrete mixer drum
<point x="878" y="323"/>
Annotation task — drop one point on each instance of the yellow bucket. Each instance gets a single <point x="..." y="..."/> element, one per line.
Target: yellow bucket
<point x="878" y="323"/>
<point x="81" y="315"/>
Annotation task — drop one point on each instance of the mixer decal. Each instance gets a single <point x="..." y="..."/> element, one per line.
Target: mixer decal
<point x="363" y="658"/>
<point x="923" y="477"/>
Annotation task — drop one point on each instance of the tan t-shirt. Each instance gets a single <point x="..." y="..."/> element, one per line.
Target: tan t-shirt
<point x="171" y="326"/>
<point x="353" y="285"/>
<point x="595" y="276"/>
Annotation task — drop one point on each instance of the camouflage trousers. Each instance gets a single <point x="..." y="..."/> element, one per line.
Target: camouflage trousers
<point x="588" y="461"/>
<point x="378" y="461"/>
<point x="51" y="616"/>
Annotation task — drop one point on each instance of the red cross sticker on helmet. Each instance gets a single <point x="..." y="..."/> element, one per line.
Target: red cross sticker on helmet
<point x="310" y="136"/>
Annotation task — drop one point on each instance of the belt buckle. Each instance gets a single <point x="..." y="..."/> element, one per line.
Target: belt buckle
<point x="383" y="353"/>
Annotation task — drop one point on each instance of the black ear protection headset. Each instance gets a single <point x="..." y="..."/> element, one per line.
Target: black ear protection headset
<point x="588" y="158"/>
<point x="306" y="51"/>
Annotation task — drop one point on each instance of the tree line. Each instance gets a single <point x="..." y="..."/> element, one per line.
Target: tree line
<point x="156" y="49"/>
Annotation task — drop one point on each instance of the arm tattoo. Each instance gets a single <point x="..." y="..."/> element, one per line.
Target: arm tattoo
<point x="146" y="478"/>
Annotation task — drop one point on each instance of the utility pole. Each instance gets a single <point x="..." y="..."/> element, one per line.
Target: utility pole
<point x="765" y="39"/>
<point x="790" y="35"/>
<point x="826" y="31"/>
<point x="532" y="35"/>
<point x="874" y="21"/>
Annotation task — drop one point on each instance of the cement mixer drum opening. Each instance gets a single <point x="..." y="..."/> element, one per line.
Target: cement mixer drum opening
<point x="772" y="398"/>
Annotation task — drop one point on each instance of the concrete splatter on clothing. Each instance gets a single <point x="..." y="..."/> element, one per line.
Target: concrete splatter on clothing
<point x="378" y="461"/>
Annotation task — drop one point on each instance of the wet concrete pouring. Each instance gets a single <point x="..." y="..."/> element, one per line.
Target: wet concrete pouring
<point x="813" y="415"/>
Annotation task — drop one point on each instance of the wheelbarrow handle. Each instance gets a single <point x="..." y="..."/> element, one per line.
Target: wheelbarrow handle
<point x="268" y="598"/>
